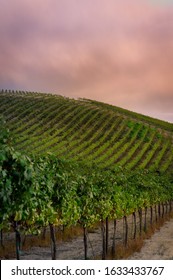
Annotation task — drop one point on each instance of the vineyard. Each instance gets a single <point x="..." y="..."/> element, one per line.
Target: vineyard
<point x="83" y="129"/>
<point x="67" y="162"/>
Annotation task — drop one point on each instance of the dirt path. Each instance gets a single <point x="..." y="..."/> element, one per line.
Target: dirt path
<point x="159" y="246"/>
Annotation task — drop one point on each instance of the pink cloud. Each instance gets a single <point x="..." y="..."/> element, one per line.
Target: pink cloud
<point x="115" y="51"/>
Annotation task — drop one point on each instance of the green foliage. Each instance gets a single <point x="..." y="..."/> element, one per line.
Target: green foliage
<point x="4" y="133"/>
<point x="48" y="190"/>
<point x="85" y="129"/>
<point x="16" y="192"/>
<point x="42" y="190"/>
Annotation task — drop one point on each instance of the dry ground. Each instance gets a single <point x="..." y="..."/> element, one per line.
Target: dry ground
<point x="157" y="245"/>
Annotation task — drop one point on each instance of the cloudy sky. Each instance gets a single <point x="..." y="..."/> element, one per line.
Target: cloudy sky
<point x="116" y="51"/>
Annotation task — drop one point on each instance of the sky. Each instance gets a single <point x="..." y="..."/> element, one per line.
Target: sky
<point x="115" y="51"/>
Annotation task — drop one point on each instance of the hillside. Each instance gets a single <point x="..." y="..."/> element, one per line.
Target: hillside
<point x="87" y="130"/>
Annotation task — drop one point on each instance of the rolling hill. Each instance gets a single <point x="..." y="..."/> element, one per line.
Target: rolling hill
<point x="86" y="130"/>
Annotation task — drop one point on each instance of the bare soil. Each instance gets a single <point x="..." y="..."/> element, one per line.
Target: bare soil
<point x="159" y="246"/>
<point x="155" y="243"/>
